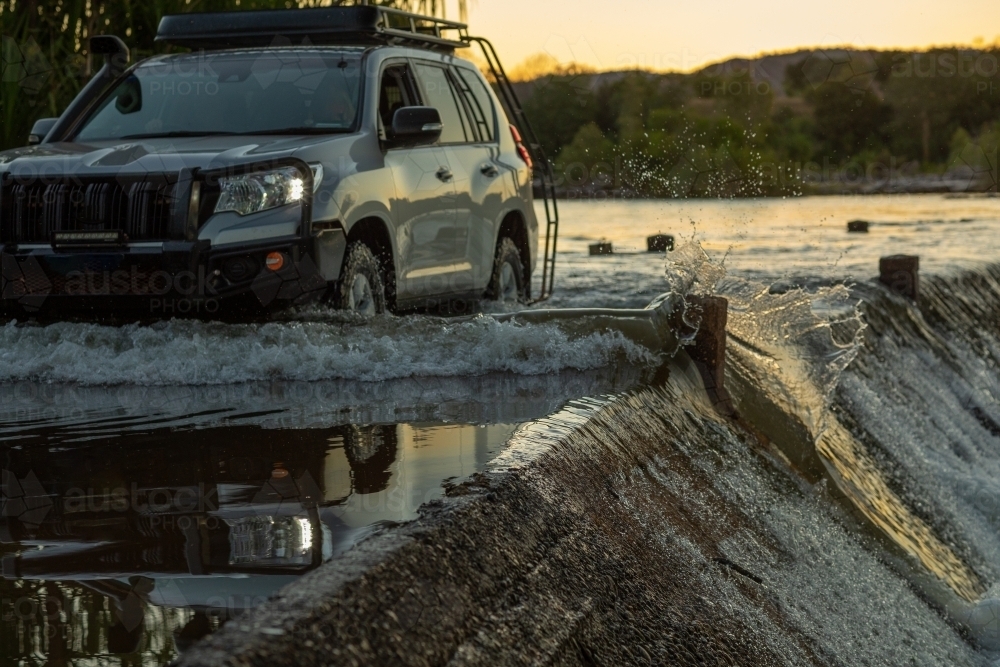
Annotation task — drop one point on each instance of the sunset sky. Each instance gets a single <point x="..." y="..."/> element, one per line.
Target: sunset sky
<point x="668" y="34"/>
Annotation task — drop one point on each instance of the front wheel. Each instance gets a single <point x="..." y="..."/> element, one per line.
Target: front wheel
<point x="508" y="284"/>
<point x="360" y="288"/>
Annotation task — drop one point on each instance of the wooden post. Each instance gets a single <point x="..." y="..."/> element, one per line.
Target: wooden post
<point x="858" y="226"/>
<point x="901" y="274"/>
<point x="709" y="349"/>
<point x="659" y="243"/>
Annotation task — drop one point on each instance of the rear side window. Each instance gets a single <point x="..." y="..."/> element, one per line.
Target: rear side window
<point x="479" y="102"/>
<point x="440" y="94"/>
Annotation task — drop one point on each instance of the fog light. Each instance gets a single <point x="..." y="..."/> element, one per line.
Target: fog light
<point x="274" y="261"/>
<point x="240" y="268"/>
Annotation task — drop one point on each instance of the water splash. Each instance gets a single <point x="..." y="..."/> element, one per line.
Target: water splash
<point x="791" y="359"/>
<point x="689" y="270"/>
<point x="183" y="352"/>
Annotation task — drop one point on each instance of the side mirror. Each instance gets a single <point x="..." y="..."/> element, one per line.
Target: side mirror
<point x="415" y="126"/>
<point x="40" y="129"/>
<point x="129" y="97"/>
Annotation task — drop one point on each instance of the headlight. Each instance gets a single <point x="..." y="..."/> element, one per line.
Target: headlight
<point x="268" y="540"/>
<point x="258" y="192"/>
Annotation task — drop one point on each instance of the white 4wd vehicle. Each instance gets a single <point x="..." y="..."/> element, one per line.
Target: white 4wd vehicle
<point x="292" y="155"/>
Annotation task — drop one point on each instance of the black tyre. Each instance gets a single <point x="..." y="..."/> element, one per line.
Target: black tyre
<point x="371" y="451"/>
<point x="360" y="288"/>
<point x="508" y="283"/>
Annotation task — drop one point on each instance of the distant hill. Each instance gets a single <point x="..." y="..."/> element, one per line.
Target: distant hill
<point x="771" y="68"/>
<point x="767" y="68"/>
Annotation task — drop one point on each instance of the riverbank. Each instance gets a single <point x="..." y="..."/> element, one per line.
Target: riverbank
<point x="960" y="183"/>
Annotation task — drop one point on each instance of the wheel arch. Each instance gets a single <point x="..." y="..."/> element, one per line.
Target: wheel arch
<point x="515" y="228"/>
<point x="373" y="231"/>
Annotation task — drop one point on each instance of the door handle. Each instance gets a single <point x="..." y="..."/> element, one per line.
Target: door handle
<point x="489" y="170"/>
<point x="444" y="174"/>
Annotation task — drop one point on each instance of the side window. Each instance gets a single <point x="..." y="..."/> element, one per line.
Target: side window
<point x="440" y="94"/>
<point x="395" y="92"/>
<point x="479" y="102"/>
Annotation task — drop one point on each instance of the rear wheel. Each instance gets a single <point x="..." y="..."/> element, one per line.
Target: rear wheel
<point x="370" y="450"/>
<point x="508" y="283"/>
<point x="360" y="288"/>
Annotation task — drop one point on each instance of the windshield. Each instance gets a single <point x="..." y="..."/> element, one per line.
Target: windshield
<point x="202" y="94"/>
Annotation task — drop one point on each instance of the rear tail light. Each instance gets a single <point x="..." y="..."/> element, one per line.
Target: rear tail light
<point x="521" y="149"/>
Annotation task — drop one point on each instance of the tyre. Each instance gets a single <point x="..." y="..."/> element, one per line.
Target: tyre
<point x="371" y="451"/>
<point x="360" y="288"/>
<point x="508" y="283"/>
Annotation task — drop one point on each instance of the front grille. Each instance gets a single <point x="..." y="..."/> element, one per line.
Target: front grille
<point x="141" y="208"/>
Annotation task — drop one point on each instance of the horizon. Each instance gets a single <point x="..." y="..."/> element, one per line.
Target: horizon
<point x="531" y="67"/>
<point x="679" y="38"/>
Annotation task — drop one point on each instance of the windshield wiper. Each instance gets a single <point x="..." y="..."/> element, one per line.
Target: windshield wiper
<point x="177" y="133"/>
<point x="214" y="133"/>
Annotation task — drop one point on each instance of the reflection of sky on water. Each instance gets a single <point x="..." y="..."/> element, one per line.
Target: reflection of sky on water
<point x="804" y="239"/>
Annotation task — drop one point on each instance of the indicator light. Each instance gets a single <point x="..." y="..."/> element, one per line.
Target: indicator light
<point x="274" y="261"/>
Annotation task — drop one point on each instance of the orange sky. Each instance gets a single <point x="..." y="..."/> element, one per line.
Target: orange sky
<point x="674" y="35"/>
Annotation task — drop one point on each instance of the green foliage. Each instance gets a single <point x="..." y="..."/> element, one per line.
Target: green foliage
<point x="733" y="135"/>
<point x="792" y="135"/>
<point x="847" y="121"/>
<point x="738" y="96"/>
<point x="936" y="93"/>
<point x="589" y="158"/>
<point x="558" y="107"/>
<point x="980" y="154"/>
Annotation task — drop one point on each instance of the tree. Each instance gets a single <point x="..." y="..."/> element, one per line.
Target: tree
<point x="848" y="121"/>
<point x="558" y="107"/>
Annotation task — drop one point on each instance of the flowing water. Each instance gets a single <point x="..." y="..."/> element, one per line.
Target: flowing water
<point x="162" y="480"/>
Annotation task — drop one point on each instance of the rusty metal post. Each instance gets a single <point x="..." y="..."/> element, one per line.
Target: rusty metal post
<point x="901" y="274"/>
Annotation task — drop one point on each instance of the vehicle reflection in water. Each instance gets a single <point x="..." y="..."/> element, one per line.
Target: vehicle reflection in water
<point x="125" y="540"/>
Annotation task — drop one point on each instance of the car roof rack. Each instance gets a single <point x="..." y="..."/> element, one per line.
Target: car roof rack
<point x="358" y="25"/>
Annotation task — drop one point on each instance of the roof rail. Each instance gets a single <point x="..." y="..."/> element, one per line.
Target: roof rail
<point x="365" y="24"/>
